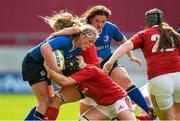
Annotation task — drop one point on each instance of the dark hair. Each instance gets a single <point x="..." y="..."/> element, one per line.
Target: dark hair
<point x="93" y="11"/>
<point x="169" y="37"/>
<point x="154" y="17"/>
<point x="71" y="66"/>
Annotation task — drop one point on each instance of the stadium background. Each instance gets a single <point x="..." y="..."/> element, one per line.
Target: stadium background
<point x="21" y="29"/>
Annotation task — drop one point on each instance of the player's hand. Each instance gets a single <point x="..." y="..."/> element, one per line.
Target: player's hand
<point x="136" y="60"/>
<point x="107" y="67"/>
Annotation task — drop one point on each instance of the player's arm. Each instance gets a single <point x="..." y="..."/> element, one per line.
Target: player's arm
<point x="90" y="55"/>
<point x="48" y="47"/>
<point x="130" y="54"/>
<point x="47" y="53"/>
<point x="58" y="78"/>
<point x="119" y="52"/>
<point x="47" y="50"/>
<point x="119" y="37"/>
<point x="66" y="31"/>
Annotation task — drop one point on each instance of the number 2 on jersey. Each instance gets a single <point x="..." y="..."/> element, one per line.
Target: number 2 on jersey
<point x="156" y="37"/>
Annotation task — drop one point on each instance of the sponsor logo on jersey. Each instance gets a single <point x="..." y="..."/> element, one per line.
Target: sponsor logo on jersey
<point x="42" y="73"/>
<point x="106" y="38"/>
<point x="84" y="91"/>
<point x="102" y="47"/>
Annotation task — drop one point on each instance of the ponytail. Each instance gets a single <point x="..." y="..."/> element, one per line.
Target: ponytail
<point x="169" y="37"/>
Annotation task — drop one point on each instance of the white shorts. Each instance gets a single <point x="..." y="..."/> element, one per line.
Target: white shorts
<point x="88" y="101"/>
<point x="114" y="109"/>
<point x="144" y="90"/>
<point x="165" y="89"/>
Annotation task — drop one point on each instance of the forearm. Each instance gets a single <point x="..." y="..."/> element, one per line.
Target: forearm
<point x="57" y="78"/>
<point x="121" y="50"/>
<point x="66" y="31"/>
<point x="129" y="53"/>
<point x="60" y="79"/>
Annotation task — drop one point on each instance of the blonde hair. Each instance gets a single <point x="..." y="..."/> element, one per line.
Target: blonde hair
<point x="61" y="19"/>
<point x="86" y="30"/>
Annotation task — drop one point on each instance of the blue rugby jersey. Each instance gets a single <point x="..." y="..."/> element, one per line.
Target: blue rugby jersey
<point x="63" y="43"/>
<point x="35" y="52"/>
<point x="103" y="43"/>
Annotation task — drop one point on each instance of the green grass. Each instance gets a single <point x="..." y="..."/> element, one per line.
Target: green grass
<point x="17" y="106"/>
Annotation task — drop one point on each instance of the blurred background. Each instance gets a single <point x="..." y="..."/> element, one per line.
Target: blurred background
<point x="21" y="29"/>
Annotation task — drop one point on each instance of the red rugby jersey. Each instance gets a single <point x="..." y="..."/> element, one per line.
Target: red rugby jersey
<point x="90" y="55"/>
<point x="158" y="63"/>
<point x="94" y="83"/>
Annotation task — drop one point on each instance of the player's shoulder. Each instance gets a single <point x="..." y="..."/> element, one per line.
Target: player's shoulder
<point x="110" y="24"/>
<point x="151" y="30"/>
<point x="110" y="27"/>
<point x="65" y="40"/>
<point x="63" y="37"/>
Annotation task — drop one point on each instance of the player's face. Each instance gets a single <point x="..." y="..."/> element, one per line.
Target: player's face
<point x="86" y="41"/>
<point x="98" y="22"/>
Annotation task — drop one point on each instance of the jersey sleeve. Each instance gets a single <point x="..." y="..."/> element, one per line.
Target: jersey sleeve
<point x="59" y="42"/>
<point x="82" y="75"/>
<point x="137" y="40"/>
<point x="90" y="55"/>
<point x="117" y="34"/>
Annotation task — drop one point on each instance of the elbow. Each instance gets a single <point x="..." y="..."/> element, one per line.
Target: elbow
<point x="43" y="48"/>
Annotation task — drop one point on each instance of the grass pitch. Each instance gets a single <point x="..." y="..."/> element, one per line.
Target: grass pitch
<point x="17" y="106"/>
